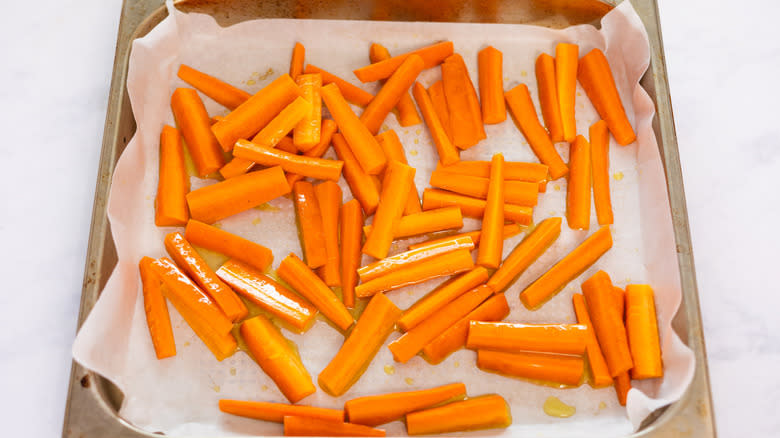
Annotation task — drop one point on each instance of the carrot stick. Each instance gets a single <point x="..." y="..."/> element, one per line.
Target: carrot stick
<point x="494" y="308"/>
<point x="515" y="338"/>
<point x="221" y="92"/>
<point x="271" y="296"/>
<point x="525" y="253"/>
<point x="566" y="56"/>
<point x="510" y="230"/>
<point x="608" y="325"/>
<point x="306" y="134"/>
<point x="522" y="108"/>
<point x="578" y="189"/>
<point x="407" y="113"/>
<point x="251" y="116"/>
<point x="380" y="409"/>
<point x="619" y="295"/>
<point x="513" y="170"/>
<point x="329" y="128"/>
<point x="352" y="93"/>
<point x="473" y="207"/>
<point x="414" y="340"/>
<point x="276" y="412"/>
<point x="329" y="200"/>
<point x="577" y="261"/>
<point x="398" y="182"/>
<point x="185" y="256"/>
<point x="489" y="253"/>
<point x="555" y="368"/>
<point x="372" y="329"/>
<point x="360" y="183"/>
<point x="170" y="204"/>
<point x="317" y="168"/>
<point x="283" y="123"/>
<point x="231" y="245"/>
<point x="157" y="318"/>
<point x="548" y="96"/>
<point x="596" y="78"/>
<point x="305" y="426"/>
<point x="425" y="222"/>
<point x="218" y="201"/>
<point x="598" y="366"/>
<point x="432" y="56"/>
<point x="273" y="135"/>
<point x="486" y="412"/>
<point x="296" y="61"/>
<point x="441" y="266"/>
<point x="439" y="102"/>
<point x="462" y="103"/>
<point x="515" y="192"/>
<point x="491" y="85"/>
<point x="394" y="150"/>
<point x="351" y="241"/>
<point x="448" y="153"/>
<point x="305" y="282"/>
<point x="312" y="233"/>
<point x="642" y="330"/>
<point x="277" y="358"/>
<point x="405" y="259"/>
<point x="388" y="96"/>
<point x="599" y="161"/>
<point x="195" y="126"/>
<point x="622" y="386"/>
<point x="236" y="166"/>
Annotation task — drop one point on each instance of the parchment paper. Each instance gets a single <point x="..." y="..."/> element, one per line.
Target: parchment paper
<point x="179" y="395"/>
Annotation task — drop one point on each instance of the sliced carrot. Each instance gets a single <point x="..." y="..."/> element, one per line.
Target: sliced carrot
<point x="548" y="96"/>
<point x="513" y="170"/>
<point x="312" y="233"/>
<point x="394" y="150"/>
<point x="370" y="332"/>
<point x="405" y="259"/>
<point x="515" y="192"/>
<point x="329" y="200"/>
<point x="407" y="113"/>
<point x="489" y="253"/>
<point x="510" y="230"/>
<point x="329" y="128"/>
<point x="622" y="386"/>
<point x="317" y="168"/>
<point x="236" y="166"/>
<point x="360" y="183"/>
<point x="428" y="221"/>
<point x="306" y="134"/>
<point x="398" y="182"/>
<point x="221" y="92"/>
<point x="608" y="325"/>
<point x="170" y="204"/>
<point x="642" y="330"/>
<point x="578" y="188"/>
<point x="566" y="56"/>
<point x="514" y="337"/>
<point x="296" y="61"/>
<point x="448" y="153"/>
<point x="432" y="56"/>
<point x="195" y="126"/>
<point x="598" y="366"/>
<point x="462" y="103"/>
<point x="491" y="85"/>
<point x="577" y="261"/>
<point x="599" y="161"/>
<point x="276" y="412"/>
<point x="157" y="318"/>
<point x="439" y="101"/>
<point x="619" y="295"/>
<point x="555" y="368"/>
<point x="391" y="92"/>
<point x="352" y="93"/>
<point x="231" y="245"/>
<point x="381" y="409"/>
<point x="351" y="242"/>
<point x="306" y="426"/>
<point x="486" y="412"/>
<point x="473" y="207"/>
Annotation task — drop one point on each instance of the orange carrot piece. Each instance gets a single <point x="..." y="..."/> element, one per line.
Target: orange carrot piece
<point x="306" y="133"/>
<point x="352" y="93"/>
<point x="384" y="408"/>
<point x="608" y="325"/>
<point x="489" y="253"/>
<point x="413" y="341"/>
<point x="391" y="92"/>
<point x="231" y="245"/>
<point x="311" y="232"/>
<point x="185" y="256"/>
<point x="491" y="85"/>
<point x="195" y="126"/>
<point x="642" y="330"/>
<point x="432" y="56"/>
<point x="522" y="108"/>
<point x="252" y="116"/>
<point x="450" y="263"/>
<point x="221" y="345"/>
<point x="370" y="332"/>
<point x="577" y="261"/>
<point x="317" y="168"/>
<point x="276" y="357"/>
<point x="157" y="318"/>
<point x="525" y="253"/>
<point x="360" y="183"/>
<point x="486" y="412"/>
<point x="548" y="96"/>
<point x="394" y="150"/>
<point x="619" y="295"/>
<point x="276" y="412"/>
<point x="296" y="61"/>
<point x="622" y="386"/>
<point x="515" y="192"/>
<point x="494" y="308"/>
<point x="407" y="113"/>
<point x="218" y="201"/>
<point x="578" y="188"/>
<point x="170" y="204"/>
<point x="473" y="207"/>
<point x="359" y="138"/>
<point x="271" y="296"/>
<point x="398" y="182"/>
<point x="596" y="78"/>
<point x="515" y="338"/>
<point x="462" y="103"/>
<point x="429" y="221"/>
<point x="351" y="242"/>
<point x="306" y="426"/>
<point x="439" y="102"/>
<point x="236" y="166"/>
<point x="510" y="230"/>
<point x="221" y="92"/>
<point x="543" y="186"/>
<point x="441" y="296"/>
<point x="513" y="170"/>
<point x="598" y="366"/>
<point x="273" y="135"/>
<point x="329" y="128"/>
<point x="448" y="153"/>
<point x="556" y="368"/>
<point x="599" y="161"/>
<point x="566" y="56"/>
<point x="305" y="282"/>
<point x="405" y="259"/>
<point x="329" y="200"/>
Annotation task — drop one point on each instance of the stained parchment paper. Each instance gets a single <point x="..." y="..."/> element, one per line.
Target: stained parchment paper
<point x="179" y="395"/>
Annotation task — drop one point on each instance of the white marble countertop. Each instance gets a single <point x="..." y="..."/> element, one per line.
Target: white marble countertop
<point x="56" y="81"/>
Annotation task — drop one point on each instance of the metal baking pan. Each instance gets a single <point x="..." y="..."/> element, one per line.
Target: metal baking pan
<point x="93" y="402"/>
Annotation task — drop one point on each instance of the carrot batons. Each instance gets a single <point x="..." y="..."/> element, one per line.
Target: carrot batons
<point x="231" y="245"/>
<point x="394" y="150"/>
<point x="608" y="325"/>
<point x="395" y="190"/>
<point x="580" y="259"/>
<point x="276" y="412"/>
<point x="642" y="330"/>
<point x="578" y="189"/>
<point x="486" y="412"/>
<point x="428" y="221"/>
<point x="510" y="230"/>
<point x="307" y="426"/>
<point x="374" y="326"/>
<point x="566" y="56"/>
<point x="157" y="318"/>
<point x="380" y="409"/>
<point x="622" y="386"/>
<point x="296" y="60"/>
<point x="391" y="92"/>
<point x="513" y="170"/>
<point x="473" y="207"/>
<point x="352" y="93"/>
<point x="170" y="204"/>
<point x="439" y="101"/>
<point x="448" y="153"/>
<point x="599" y="161"/>
<point x="329" y="200"/>
<point x="598" y="366"/>
<point x="405" y="259"/>
<point x="351" y="242"/>
<point x="222" y="92"/>
<point x="362" y="186"/>
<point x="599" y="84"/>
<point x="462" y="103"/>
<point x="548" y="96"/>
<point x="309" y="216"/>
<point x="432" y="56"/>
<point x="489" y="253"/>
<point x="328" y="128"/>
<point x="195" y="125"/>
<point x="407" y="113"/>
<point x="306" y="134"/>
<point x="515" y="192"/>
<point x="555" y="368"/>
<point x="317" y="168"/>
<point x="513" y="337"/>
<point x="491" y="85"/>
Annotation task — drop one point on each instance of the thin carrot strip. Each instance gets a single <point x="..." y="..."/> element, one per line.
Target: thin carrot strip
<point x="515" y="192"/>
<point x="384" y="408"/>
<point x="231" y="245"/>
<point x="577" y="261"/>
<point x="642" y="330"/>
<point x="239" y="166"/>
<point x="486" y="412"/>
<point x="306" y="133"/>
<point x="413" y="341"/>
<point x="195" y="126"/>
<point x="555" y="368"/>
<point x="398" y="182"/>
<point x="305" y="426"/>
<point x="391" y="92"/>
<point x="312" y="233"/>
<point x="622" y="386"/>
<point x="296" y="61"/>
<point x="351" y="242"/>
<point x="276" y="412"/>
<point x="548" y="96"/>
<point x="513" y="170"/>
<point x="439" y="103"/>
<point x="317" y="168"/>
<point x="428" y="221"/>
<point x="170" y="204"/>
<point x="157" y="318"/>
<point x="491" y="85"/>
<point x="329" y="128"/>
<point x="305" y="282"/>
<point x="489" y="253"/>
<point x="394" y="150"/>
<point x="473" y="207"/>
<point x="446" y="264"/>
<point x="522" y="108"/>
<point x="619" y="295"/>
<point x="566" y="56"/>
<point x="407" y="113"/>
<point x="462" y="103"/>
<point x="432" y="56"/>
<point x="370" y="332"/>
<point x="515" y="338"/>
<point x="608" y="325"/>
<point x="578" y="188"/>
<point x="276" y="129"/>
<point x="221" y="92"/>
<point x="360" y="183"/>
<point x="596" y="78"/>
<point x="329" y="200"/>
<point x="277" y="358"/>
<point x="598" y="366"/>
<point x="352" y="93"/>
<point x="509" y="230"/>
<point x="405" y="259"/>
<point x="599" y="161"/>
<point x="448" y="153"/>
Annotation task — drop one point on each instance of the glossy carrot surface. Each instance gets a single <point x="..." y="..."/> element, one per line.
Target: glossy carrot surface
<point x="221" y="92"/>
<point x="276" y="412"/>
<point x="432" y="56"/>
<point x="231" y="245"/>
<point x="156" y="309"/>
<point x="195" y="126"/>
<point x="307" y="426"/>
<point x="486" y="412"/>
<point x="517" y="337"/>
<point x="170" y="204"/>
<point x="380" y="409"/>
<point x="405" y="259"/>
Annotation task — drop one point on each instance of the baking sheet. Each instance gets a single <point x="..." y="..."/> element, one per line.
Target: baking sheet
<point x="160" y="394"/>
